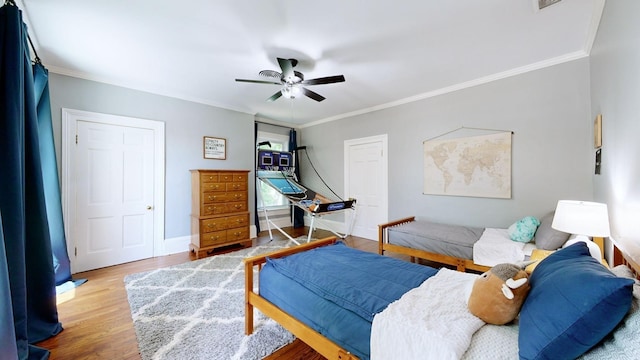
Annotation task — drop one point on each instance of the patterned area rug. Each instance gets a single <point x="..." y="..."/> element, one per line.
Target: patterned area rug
<point x="196" y="310"/>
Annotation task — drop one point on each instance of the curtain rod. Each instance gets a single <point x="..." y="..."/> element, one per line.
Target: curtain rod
<point x="35" y="53"/>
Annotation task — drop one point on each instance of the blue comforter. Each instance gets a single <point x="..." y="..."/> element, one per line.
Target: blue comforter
<point x="337" y="290"/>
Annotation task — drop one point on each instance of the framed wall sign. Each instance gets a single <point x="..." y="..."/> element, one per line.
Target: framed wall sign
<point x="214" y="148"/>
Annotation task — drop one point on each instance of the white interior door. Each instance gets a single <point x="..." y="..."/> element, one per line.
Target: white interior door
<point x="114" y="195"/>
<point x="113" y="182"/>
<point x="366" y="180"/>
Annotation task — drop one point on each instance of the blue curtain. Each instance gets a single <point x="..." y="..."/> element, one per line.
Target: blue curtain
<point x="7" y="331"/>
<point x="61" y="263"/>
<point x="298" y="214"/>
<point x="27" y="260"/>
<point x="256" y="216"/>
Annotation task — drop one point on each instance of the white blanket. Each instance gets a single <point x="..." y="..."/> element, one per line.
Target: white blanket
<point x="431" y="321"/>
<point x="495" y="247"/>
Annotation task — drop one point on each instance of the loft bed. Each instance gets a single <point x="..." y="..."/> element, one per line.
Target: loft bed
<point x="303" y="324"/>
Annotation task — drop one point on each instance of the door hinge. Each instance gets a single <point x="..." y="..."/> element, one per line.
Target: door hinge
<point x="76" y="139"/>
<point x="75" y="250"/>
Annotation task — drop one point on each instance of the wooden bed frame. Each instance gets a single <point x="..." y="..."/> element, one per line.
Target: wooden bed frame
<point x="460" y="264"/>
<point x="383" y="245"/>
<point x="318" y="342"/>
<point x="315" y="340"/>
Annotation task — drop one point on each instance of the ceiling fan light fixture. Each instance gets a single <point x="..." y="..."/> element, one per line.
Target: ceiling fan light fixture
<point x="291" y="91"/>
<point x="292" y="82"/>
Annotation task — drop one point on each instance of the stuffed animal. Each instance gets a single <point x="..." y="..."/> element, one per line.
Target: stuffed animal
<point x="498" y="294"/>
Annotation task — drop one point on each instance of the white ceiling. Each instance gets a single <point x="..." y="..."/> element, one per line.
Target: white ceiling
<point x="390" y="52"/>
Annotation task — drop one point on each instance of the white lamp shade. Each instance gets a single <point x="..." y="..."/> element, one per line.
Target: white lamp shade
<point x="582" y="218"/>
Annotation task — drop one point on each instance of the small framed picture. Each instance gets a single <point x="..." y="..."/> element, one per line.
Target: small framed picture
<point x="214" y="148"/>
<point x="597" y="132"/>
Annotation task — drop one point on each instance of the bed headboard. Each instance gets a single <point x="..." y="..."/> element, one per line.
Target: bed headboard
<point x="620" y="258"/>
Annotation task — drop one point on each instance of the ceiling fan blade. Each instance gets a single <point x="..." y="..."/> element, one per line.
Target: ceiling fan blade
<point x="270" y="73"/>
<point x="287" y="69"/>
<point x="275" y="96"/>
<point x="324" y="80"/>
<point x="259" y="81"/>
<point x="314" y="95"/>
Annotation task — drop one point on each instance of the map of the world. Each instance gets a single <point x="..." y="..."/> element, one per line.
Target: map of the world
<point x="478" y="166"/>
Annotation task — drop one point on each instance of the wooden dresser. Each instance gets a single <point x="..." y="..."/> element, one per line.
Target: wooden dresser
<point x="219" y="210"/>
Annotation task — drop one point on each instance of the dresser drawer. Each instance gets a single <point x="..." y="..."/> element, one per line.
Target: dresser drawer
<point x="213" y="186"/>
<point x="208" y="177"/>
<point x="238" y="234"/>
<point x="215" y="224"/>
<point x="236" y="186"/>
<point x="237" y="196"/>
<point x="214" y="209"/>
<point x="236" y="206"/>
<point x="237" y="221"/>
<point x="213" y="238"/>
<point x="214" y="197"/>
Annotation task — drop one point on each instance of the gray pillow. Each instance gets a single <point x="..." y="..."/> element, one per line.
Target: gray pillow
<point x="547" y="238"/>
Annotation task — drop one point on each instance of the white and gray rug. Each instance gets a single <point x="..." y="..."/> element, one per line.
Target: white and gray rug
<point x="196" y="310"/>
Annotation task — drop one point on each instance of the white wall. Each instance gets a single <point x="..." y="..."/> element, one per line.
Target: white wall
<point x="615" y="90"/>
<point x="186" y="124"/>
<point x="548" y="111"/>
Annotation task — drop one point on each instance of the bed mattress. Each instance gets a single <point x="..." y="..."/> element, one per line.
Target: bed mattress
<point x="317" y="287"/>
<point x="452" y="240"/>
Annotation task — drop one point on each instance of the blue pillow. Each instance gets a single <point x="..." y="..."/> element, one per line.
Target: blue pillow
<point x="523" y="229"/>
<point x="574" y="303"/>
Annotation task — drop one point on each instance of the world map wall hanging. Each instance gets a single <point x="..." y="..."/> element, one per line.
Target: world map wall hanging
<point x="477" y="166"/>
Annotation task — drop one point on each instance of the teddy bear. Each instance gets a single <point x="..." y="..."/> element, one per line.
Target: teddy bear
<point x="498" y="294"/>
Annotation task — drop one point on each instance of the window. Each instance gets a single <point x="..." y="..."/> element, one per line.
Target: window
<point x="268" y="196"/>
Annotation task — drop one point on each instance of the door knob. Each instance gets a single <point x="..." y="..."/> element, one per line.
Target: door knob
<point x="149" y="207"/>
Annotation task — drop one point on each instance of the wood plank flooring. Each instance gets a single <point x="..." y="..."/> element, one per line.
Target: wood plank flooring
<point x="97" y="319"/>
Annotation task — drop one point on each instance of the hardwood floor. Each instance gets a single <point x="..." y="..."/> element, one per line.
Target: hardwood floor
<point x="97" y="319"/>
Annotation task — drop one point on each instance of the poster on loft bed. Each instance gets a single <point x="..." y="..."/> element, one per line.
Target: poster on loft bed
<point x="477" y="166"/>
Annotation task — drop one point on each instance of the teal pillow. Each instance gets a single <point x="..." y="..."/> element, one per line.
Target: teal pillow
<point x="574" y="302"/>
<point x="523" y="229"/>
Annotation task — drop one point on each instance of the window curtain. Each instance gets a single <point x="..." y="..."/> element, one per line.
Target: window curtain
<point x="61" y="263"/>
<point x="256" y="185"/>
<point x="26" y="259"/>
<point x="297" y="213"/>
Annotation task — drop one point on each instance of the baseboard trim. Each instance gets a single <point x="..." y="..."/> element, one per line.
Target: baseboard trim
<point x="175" y="245"/>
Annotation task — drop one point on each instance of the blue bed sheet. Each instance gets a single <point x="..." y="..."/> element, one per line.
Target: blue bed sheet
<point x="336" y="290"/>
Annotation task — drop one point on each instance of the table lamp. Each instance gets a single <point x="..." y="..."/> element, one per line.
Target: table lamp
<point x="583" y="219"/>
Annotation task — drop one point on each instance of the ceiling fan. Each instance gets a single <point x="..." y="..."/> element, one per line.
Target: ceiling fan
<point x="292" y="81"/>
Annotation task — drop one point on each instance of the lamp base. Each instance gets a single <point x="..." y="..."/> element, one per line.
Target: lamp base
<point x="594" y="249"/>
